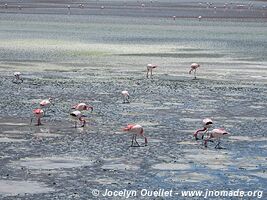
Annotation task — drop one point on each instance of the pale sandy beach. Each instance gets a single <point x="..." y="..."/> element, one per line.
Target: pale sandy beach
<point x="90" y="55"/>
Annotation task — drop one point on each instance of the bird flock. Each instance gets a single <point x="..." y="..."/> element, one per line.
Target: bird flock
<point x="78" y="115"/>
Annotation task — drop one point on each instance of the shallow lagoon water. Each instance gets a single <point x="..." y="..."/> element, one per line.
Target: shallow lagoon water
<point x="95" y="57"/>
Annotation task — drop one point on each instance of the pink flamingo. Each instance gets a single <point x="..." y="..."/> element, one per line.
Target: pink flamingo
<point x="82" y="106"/>
<point x="136" y="129"/>
<point x="194" y="67"/>
<point x="126" y="96"/>
<point x="216" y="134"/>
<point x="17" y="78"/>
<point x="207" y="123"/>
<point x="46" y="103"/>
<point x="38" y="113"/>
<point x="77" y="116"/>
<point x="150" y="67"/>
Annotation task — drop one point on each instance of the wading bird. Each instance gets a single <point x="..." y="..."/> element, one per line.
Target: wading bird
<point x="194" y="67"/>
<point x="216" y="134"/>
<point x="17" y="78"/>
<point x="150" y="68"/>
<point x="136" y="129"/>
<point x="207" y="123"/>
<point x="38" y="113"/>
<point x="46" y="103"/>
<point x="126" y="96"/>
<point x="77" y="116"/>
<point x="82" y="106"/>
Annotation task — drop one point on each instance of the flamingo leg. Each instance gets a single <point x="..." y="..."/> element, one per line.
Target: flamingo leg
<point x="195" y="71"/>
<point x="151" y="73"/>
<point x="83" y="125"/>
<point x="38" y="122"/>
<point x="75" y="124"/>
<point x="136" y="141"/>
<point x="147" y="73"/>
<point x="132" y="140"/>
<point x="218" y="146"/>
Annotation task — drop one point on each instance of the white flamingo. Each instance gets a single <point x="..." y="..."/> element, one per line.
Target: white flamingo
<point x="126" y="96"/>
<point x="216" y="134"/>
<point x="17" y="78"/>
<point x="150" y="68"/>
<point x="194" y="67"/>
<point x="77" y="116"/>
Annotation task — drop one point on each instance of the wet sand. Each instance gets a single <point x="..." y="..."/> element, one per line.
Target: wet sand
<point x="56" y="160"/>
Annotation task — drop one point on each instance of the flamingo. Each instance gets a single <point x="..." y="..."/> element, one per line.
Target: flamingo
<point x="77" y="115"/>
<point x="199" y="18"/>
<point x="136" y="129"/>
<point x="207" y="123"/>
<point x="46" y="103"/>
<point x="126" y="96"/>
<point x="150" y="67"/>
<point x="82" y="106"/>
<point x="217" y="133"/>
<point x="194" y="67"/>
<point x="17" y="78"/>
<point x="38" y="113"/>
<point x="174" y="17"/>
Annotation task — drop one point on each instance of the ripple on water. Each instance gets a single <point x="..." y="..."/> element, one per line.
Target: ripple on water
<point x="119" y="166"/>
<point x="5" y="139"/>
<point x="10" y="188"/>
<point x="247" y="138"/>
<point x="191" y="177"/>
<point x="14" y="124"/>
<point x="56" y="162"/>
<point x="171" y="166"/>
<point x="212" y="159"/>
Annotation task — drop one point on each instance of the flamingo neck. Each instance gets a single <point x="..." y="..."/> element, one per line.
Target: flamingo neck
<point x="199" y="130"/>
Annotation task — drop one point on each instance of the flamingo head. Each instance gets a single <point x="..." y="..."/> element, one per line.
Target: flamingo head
<point x="128" y="127"/>
<point x="207" y="123"/>
<point x="89" y="107"/>
<point x="224" y="132"/>
<point x="73" y="107"/>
